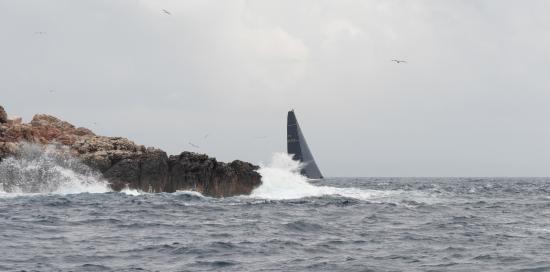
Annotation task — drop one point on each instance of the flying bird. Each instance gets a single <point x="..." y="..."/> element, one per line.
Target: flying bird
<point x="167" y="12"/>
<point x="194" y="145"/>
<point x="206" y="136"/>
<point x="39" y="32"/>
<point x="399" y="61"/>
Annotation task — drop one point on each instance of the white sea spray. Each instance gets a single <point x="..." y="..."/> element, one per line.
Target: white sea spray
<point x="48" y="169"/>
<point x="281" y="179"/>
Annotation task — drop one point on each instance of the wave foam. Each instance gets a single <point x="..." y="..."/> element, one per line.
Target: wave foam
<point x="281" y="179"/>
<point x="131" y="192"/>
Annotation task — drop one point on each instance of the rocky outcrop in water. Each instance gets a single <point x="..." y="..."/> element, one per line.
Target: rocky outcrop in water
<point x="3" y="115"/>
<point x="126" y="164"/>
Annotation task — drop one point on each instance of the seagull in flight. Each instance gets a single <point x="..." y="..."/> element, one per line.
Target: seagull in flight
<point x="39" y="33"/>
<point x="194" y="145"/>
<point x="399" y="61"/>
<point x="167" y="12"/>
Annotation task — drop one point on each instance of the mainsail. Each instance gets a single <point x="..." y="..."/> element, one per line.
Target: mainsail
<point x="297" y="146"/>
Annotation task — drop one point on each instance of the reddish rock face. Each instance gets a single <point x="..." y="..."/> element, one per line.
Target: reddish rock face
<point x="126" y="164"/>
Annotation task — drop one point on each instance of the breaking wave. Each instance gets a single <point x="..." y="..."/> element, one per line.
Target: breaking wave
<point x="48" y="170"/>
<point x="281" y="179"/>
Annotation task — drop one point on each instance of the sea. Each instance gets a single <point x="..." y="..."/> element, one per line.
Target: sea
<point x="55" y="217"/>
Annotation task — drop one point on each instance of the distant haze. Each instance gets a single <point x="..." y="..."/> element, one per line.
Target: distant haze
<point x="472" y="100"/>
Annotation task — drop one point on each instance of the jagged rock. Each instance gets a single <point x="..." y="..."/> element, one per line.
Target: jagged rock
<point x="126" y="164"/>
<point x="3" y="115"/>
<point x="154" y="171"/>
<point x="191" y="171"/>
<point x="124" y="173"/>
<point x="84" y="132"/>
<point x="15" y="121"/>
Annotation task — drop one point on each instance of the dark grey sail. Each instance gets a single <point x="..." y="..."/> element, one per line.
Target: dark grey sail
<point x="297" y="146"/>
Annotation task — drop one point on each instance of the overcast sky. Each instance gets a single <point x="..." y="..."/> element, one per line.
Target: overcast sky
<point x="473" y="99"/>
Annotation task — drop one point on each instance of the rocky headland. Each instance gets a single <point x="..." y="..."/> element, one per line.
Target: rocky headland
<point x="126" y="164"/>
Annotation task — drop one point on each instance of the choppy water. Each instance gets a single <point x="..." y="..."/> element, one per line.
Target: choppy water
<point x="338" y="224"/>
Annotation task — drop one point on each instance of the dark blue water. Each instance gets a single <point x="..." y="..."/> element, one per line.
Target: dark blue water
<point x="394" y="224"/>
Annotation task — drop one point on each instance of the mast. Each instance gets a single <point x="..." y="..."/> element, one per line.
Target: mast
<point x="297" y="146"/>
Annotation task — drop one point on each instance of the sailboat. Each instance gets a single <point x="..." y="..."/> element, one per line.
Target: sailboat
<point x="297" y="147"/>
